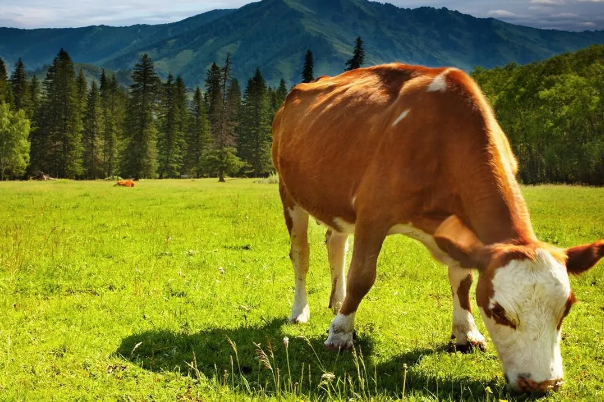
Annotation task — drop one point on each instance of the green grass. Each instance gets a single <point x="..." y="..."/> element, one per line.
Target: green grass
<point x="111" y="293"/>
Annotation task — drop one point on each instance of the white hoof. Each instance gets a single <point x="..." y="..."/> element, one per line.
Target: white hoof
<point x="300" y="315"/>
<point x="472" y="339"/>
<point x="339" y="341"/>
<point x="340" y="332"/>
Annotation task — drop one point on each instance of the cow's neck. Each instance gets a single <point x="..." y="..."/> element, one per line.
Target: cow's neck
<point x="493" y="207"/>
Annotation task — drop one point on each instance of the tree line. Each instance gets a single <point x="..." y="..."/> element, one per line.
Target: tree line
<point x="68" y="128"/>
<point x="553" y="113"/>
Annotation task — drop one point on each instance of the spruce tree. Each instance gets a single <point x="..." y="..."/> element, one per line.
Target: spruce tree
<point x="224" y="95"/>
<point x="82" y="91"/>
<point x="57" y="140"/>
<point x="93" y="135"/>
<point x="255" y="129"/>
<point x="34" y="93"/>
<point x="140" y="154"/>
<point x="358" y="56"/>
<point x="199" y="138"/>
<point x="20" y="87"/>
<point x="171" y="136"/>
<point x="281" y="93"/>
<point x="3" y="82"/>
<point x="113" y="101"/>
<point x="308" y="70"/>
<point x="213" y="95"/>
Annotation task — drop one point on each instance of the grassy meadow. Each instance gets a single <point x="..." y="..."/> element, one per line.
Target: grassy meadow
<point x="179" y="290"/>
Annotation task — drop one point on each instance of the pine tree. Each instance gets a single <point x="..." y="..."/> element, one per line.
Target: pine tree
<point x="309" y="65"/>
<point x="140" y="154"/>
<point x="34" y="98"/>
<point x="82" y="91"/>
<point x="113" y="101"/>
<point x="255" y="129"/>
<point x="213" y="95"/>
<point x="93" y="135"/>
<point x="20" y="86"/>
<point x="57" y="141"/>
<point x="6" y="94"/>
<point x="358" y="57"/>
<point x="223" y="94"/>
<point x="199" y="139"/>
<point x="281" y="93"/>
<point x="171" y="136"/>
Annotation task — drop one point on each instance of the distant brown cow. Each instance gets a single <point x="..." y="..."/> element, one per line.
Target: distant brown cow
<point x="124" y="183"/>
<point x="417" y="151"/>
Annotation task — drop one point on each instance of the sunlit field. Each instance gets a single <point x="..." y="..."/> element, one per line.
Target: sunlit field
<point x="179" y="290"/>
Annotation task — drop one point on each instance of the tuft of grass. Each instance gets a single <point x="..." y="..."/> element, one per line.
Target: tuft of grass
<point x="169" y="290"/>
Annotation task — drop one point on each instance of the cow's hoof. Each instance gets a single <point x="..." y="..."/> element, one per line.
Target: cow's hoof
<point x="339" y="340"/>
<point x="468" y="347"/>
<point x="300" y="316"/>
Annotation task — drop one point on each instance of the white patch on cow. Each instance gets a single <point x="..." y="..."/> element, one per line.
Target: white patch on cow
<point x="343" y="226"/>
<point x="401" y="117"/>
<point x="340" y="332"/>
<point x="464" y="327"/>
<point x="439" y="83"/>
<point x="299" y="253"/>
<point x="425" y="239"/>
<point x="533" y="295"/>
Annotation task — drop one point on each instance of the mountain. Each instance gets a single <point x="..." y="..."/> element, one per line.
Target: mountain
<point x="274" y="35"/>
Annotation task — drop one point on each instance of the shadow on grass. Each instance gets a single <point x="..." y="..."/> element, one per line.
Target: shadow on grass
<point x="209" y="353"/>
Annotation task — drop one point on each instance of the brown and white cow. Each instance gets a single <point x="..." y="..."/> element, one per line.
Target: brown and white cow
<point x="414" y="150"/>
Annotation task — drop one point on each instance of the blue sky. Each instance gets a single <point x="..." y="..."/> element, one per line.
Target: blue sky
<point x="575" y="15"/>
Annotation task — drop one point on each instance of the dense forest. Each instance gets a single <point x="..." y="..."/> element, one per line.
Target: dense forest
<point x="553" y="113"/>
<point x="67" y="127"/>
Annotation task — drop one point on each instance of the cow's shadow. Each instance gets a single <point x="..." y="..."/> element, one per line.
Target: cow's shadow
<point x="217" y="353"/>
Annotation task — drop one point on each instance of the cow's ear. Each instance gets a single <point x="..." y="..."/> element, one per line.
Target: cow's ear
<point x="457" y="240"/>
<point x="582" y="258"/>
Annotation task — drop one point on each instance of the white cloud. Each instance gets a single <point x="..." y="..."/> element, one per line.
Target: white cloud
<point x="565" y="15"/>
<point x="590" y="1"/>
<point x="501" y="14"/>
<point x="548" y="2"/>
<point x="587" y="24"/>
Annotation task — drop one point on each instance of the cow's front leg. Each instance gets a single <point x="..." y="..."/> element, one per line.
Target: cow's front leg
<point x="465" y="332"/>
<point x="337" y="244"/>
<point x="361" y="276"/>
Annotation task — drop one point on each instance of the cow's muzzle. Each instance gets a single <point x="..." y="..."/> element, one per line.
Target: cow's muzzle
<point x="530" y="386"/>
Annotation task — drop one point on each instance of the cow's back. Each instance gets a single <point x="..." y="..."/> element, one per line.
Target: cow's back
<point x="392" y="134"/>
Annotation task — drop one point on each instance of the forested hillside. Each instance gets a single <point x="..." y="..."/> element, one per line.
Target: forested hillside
<point x="69" y="124"/>
<point x="553" y="113"/>
<point x="88" y="128"/>
<point x="274" y="35"/>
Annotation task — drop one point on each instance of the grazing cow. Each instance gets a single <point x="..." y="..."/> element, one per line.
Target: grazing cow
<point x="414" y="150"/>
<point x="124" y="183"/>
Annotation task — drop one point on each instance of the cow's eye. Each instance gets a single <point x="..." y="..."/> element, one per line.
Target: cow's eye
<point x="498" y="313"/>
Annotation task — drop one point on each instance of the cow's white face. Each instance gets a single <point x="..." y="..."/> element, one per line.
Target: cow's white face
<point x="523" y="303"/>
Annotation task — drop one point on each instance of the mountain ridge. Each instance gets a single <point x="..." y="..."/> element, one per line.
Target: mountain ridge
<point x="274" y="35"/>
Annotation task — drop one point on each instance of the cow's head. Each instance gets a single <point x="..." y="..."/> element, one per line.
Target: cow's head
<point x="524" y="294"/>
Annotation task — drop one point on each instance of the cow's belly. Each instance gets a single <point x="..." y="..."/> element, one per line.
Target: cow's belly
<point x="342" y="226"/>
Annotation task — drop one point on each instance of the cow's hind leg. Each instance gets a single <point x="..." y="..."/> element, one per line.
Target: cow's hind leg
<point x="337" y="245"/>
<point x="361" y="276"/>
<point x="297" y="224"/>
<point x="465" y="333"/>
